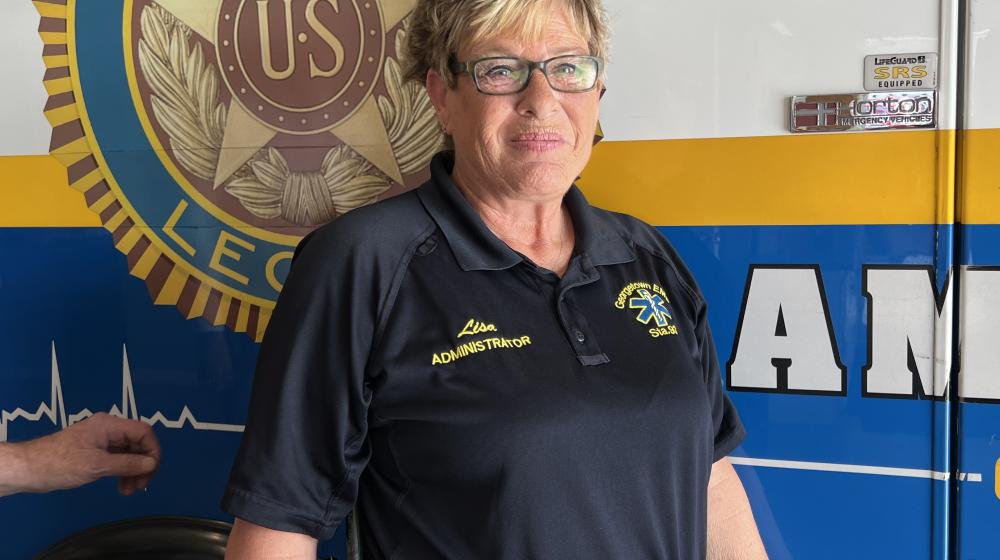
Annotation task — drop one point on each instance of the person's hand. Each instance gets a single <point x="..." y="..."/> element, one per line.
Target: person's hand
<point x="102" y="445"/>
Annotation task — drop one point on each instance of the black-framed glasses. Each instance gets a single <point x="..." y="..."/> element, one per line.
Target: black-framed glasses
<point x="504" y="75"/>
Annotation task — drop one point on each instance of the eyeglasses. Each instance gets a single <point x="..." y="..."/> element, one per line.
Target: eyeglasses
<point x="501" y="75"/>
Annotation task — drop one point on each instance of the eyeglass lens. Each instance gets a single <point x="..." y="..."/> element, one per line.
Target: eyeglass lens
<point x="564" y="73"/>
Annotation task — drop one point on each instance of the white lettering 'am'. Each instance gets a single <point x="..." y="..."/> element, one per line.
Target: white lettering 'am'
<point x="784" y="340"/>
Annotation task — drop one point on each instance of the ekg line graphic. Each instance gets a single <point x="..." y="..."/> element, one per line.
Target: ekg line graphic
<point x="55" y="408"/>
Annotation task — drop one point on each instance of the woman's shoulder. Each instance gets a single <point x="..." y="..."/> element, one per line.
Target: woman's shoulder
<point x="383" y="226"/>
<point x="377" y="236"/>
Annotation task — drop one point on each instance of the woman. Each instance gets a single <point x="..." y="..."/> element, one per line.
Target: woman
<point x="488" y="366"/>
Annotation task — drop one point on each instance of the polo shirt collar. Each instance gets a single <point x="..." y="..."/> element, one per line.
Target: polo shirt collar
<point x="477" y="248"/>
<point x="597" y="239"/>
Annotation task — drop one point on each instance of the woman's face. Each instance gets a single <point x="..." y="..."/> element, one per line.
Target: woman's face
<point x="532" y="144"/>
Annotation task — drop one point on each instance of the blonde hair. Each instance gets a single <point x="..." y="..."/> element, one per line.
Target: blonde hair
<point x="438" y="29"/>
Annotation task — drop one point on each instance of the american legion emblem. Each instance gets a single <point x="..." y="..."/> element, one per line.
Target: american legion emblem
<point x="211" y="135"/>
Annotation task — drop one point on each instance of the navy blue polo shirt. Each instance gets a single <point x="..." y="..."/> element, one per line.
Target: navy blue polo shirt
<point x="477" y="406"/>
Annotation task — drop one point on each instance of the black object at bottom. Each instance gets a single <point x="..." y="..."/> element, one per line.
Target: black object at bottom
<point x="151" y="538"/>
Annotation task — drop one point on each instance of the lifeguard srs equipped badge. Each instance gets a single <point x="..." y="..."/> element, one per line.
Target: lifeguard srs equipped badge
<point x="211" y="135"/>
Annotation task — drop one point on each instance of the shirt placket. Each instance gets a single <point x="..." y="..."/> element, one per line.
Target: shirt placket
<point x="577" y="329"/>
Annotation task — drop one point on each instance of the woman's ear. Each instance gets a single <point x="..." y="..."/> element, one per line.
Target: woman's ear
<point x="437" y="90"/>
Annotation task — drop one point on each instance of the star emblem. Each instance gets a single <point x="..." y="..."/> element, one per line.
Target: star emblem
<point x="246" y="130"/>
<point x="651" y="306"/>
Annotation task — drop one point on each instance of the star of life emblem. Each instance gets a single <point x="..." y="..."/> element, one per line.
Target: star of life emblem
<point x="651" y="307"/>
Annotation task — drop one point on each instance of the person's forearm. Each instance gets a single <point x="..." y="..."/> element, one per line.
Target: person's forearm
<point x="15" y="470"/>
<point x="732" y="530"/>
<point x="101" y="445"/>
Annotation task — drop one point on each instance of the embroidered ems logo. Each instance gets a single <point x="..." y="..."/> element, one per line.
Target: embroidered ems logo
<point x="651" y="303"/>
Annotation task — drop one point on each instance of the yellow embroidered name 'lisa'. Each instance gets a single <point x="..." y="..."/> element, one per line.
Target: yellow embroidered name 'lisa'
<point x="476" y="327"/>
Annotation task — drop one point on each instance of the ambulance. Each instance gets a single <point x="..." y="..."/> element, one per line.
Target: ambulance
<point x="827" y="170"/>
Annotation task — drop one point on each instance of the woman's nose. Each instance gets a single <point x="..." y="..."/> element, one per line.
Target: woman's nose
<point x="538" y="98"/>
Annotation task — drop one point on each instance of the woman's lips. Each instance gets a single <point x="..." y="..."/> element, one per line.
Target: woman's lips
<point x="538" y="141"/>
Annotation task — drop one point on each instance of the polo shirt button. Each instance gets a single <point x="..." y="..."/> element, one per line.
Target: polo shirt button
<point x="579" y="336"/>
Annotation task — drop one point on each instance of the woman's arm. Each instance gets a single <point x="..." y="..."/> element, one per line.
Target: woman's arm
<point x="732" y="531"/>
<point x="248" y="541"/>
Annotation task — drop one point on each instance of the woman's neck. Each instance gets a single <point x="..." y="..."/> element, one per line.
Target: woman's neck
<point x="540" y="229"/>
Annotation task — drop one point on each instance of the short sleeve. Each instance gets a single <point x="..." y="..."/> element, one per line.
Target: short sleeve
<point x="729" y="431"/>
<point x="304" y="445"/>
